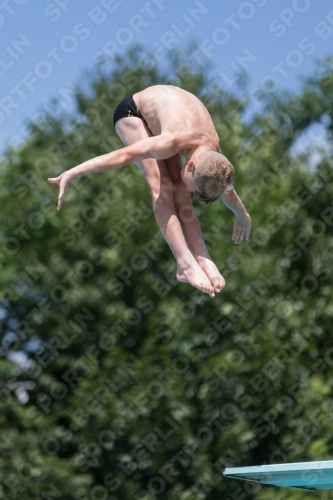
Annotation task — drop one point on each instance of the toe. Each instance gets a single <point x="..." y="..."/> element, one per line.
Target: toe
<point x="216" y="285"/>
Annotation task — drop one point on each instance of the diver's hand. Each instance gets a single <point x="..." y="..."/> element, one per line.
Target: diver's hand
<point x="64" y="181"/>
<point x="242" y="227"/>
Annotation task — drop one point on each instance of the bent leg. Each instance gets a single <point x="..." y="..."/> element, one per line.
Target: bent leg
<point x="131" y="130"/>
<point x="190" y="224"/>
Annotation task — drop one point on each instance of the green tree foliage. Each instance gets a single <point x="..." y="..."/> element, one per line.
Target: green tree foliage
<point x="131" y="385"/>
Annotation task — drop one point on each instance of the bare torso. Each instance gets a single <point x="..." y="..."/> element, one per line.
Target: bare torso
<point x="172" y="110"/>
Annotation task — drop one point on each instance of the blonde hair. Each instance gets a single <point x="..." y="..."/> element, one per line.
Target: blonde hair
<point x="213" y="176"/>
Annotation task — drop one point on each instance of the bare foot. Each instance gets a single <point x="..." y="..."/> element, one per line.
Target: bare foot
<point x="195" y="276"/>
<point x="213" y="273"/>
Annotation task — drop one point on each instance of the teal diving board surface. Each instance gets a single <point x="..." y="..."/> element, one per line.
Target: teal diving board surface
<point x="311" y="476"/>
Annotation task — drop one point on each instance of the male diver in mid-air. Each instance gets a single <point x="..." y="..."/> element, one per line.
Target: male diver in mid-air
<point x="157" y="126"/>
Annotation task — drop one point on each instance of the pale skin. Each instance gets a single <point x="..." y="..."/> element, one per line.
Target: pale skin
<point x="177" y="123"/>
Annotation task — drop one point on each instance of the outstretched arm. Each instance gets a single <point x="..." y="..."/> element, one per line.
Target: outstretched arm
<point x="242" y="225"/>
<point x="158" y="147"/>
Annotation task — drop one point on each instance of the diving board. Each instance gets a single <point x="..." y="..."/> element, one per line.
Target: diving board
<point x="311" y="476"/>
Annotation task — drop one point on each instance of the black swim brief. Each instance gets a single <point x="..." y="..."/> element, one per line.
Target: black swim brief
<point x="126" y="108"/>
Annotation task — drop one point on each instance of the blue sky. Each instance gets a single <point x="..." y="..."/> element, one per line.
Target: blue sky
<point x="47" y="45"/>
